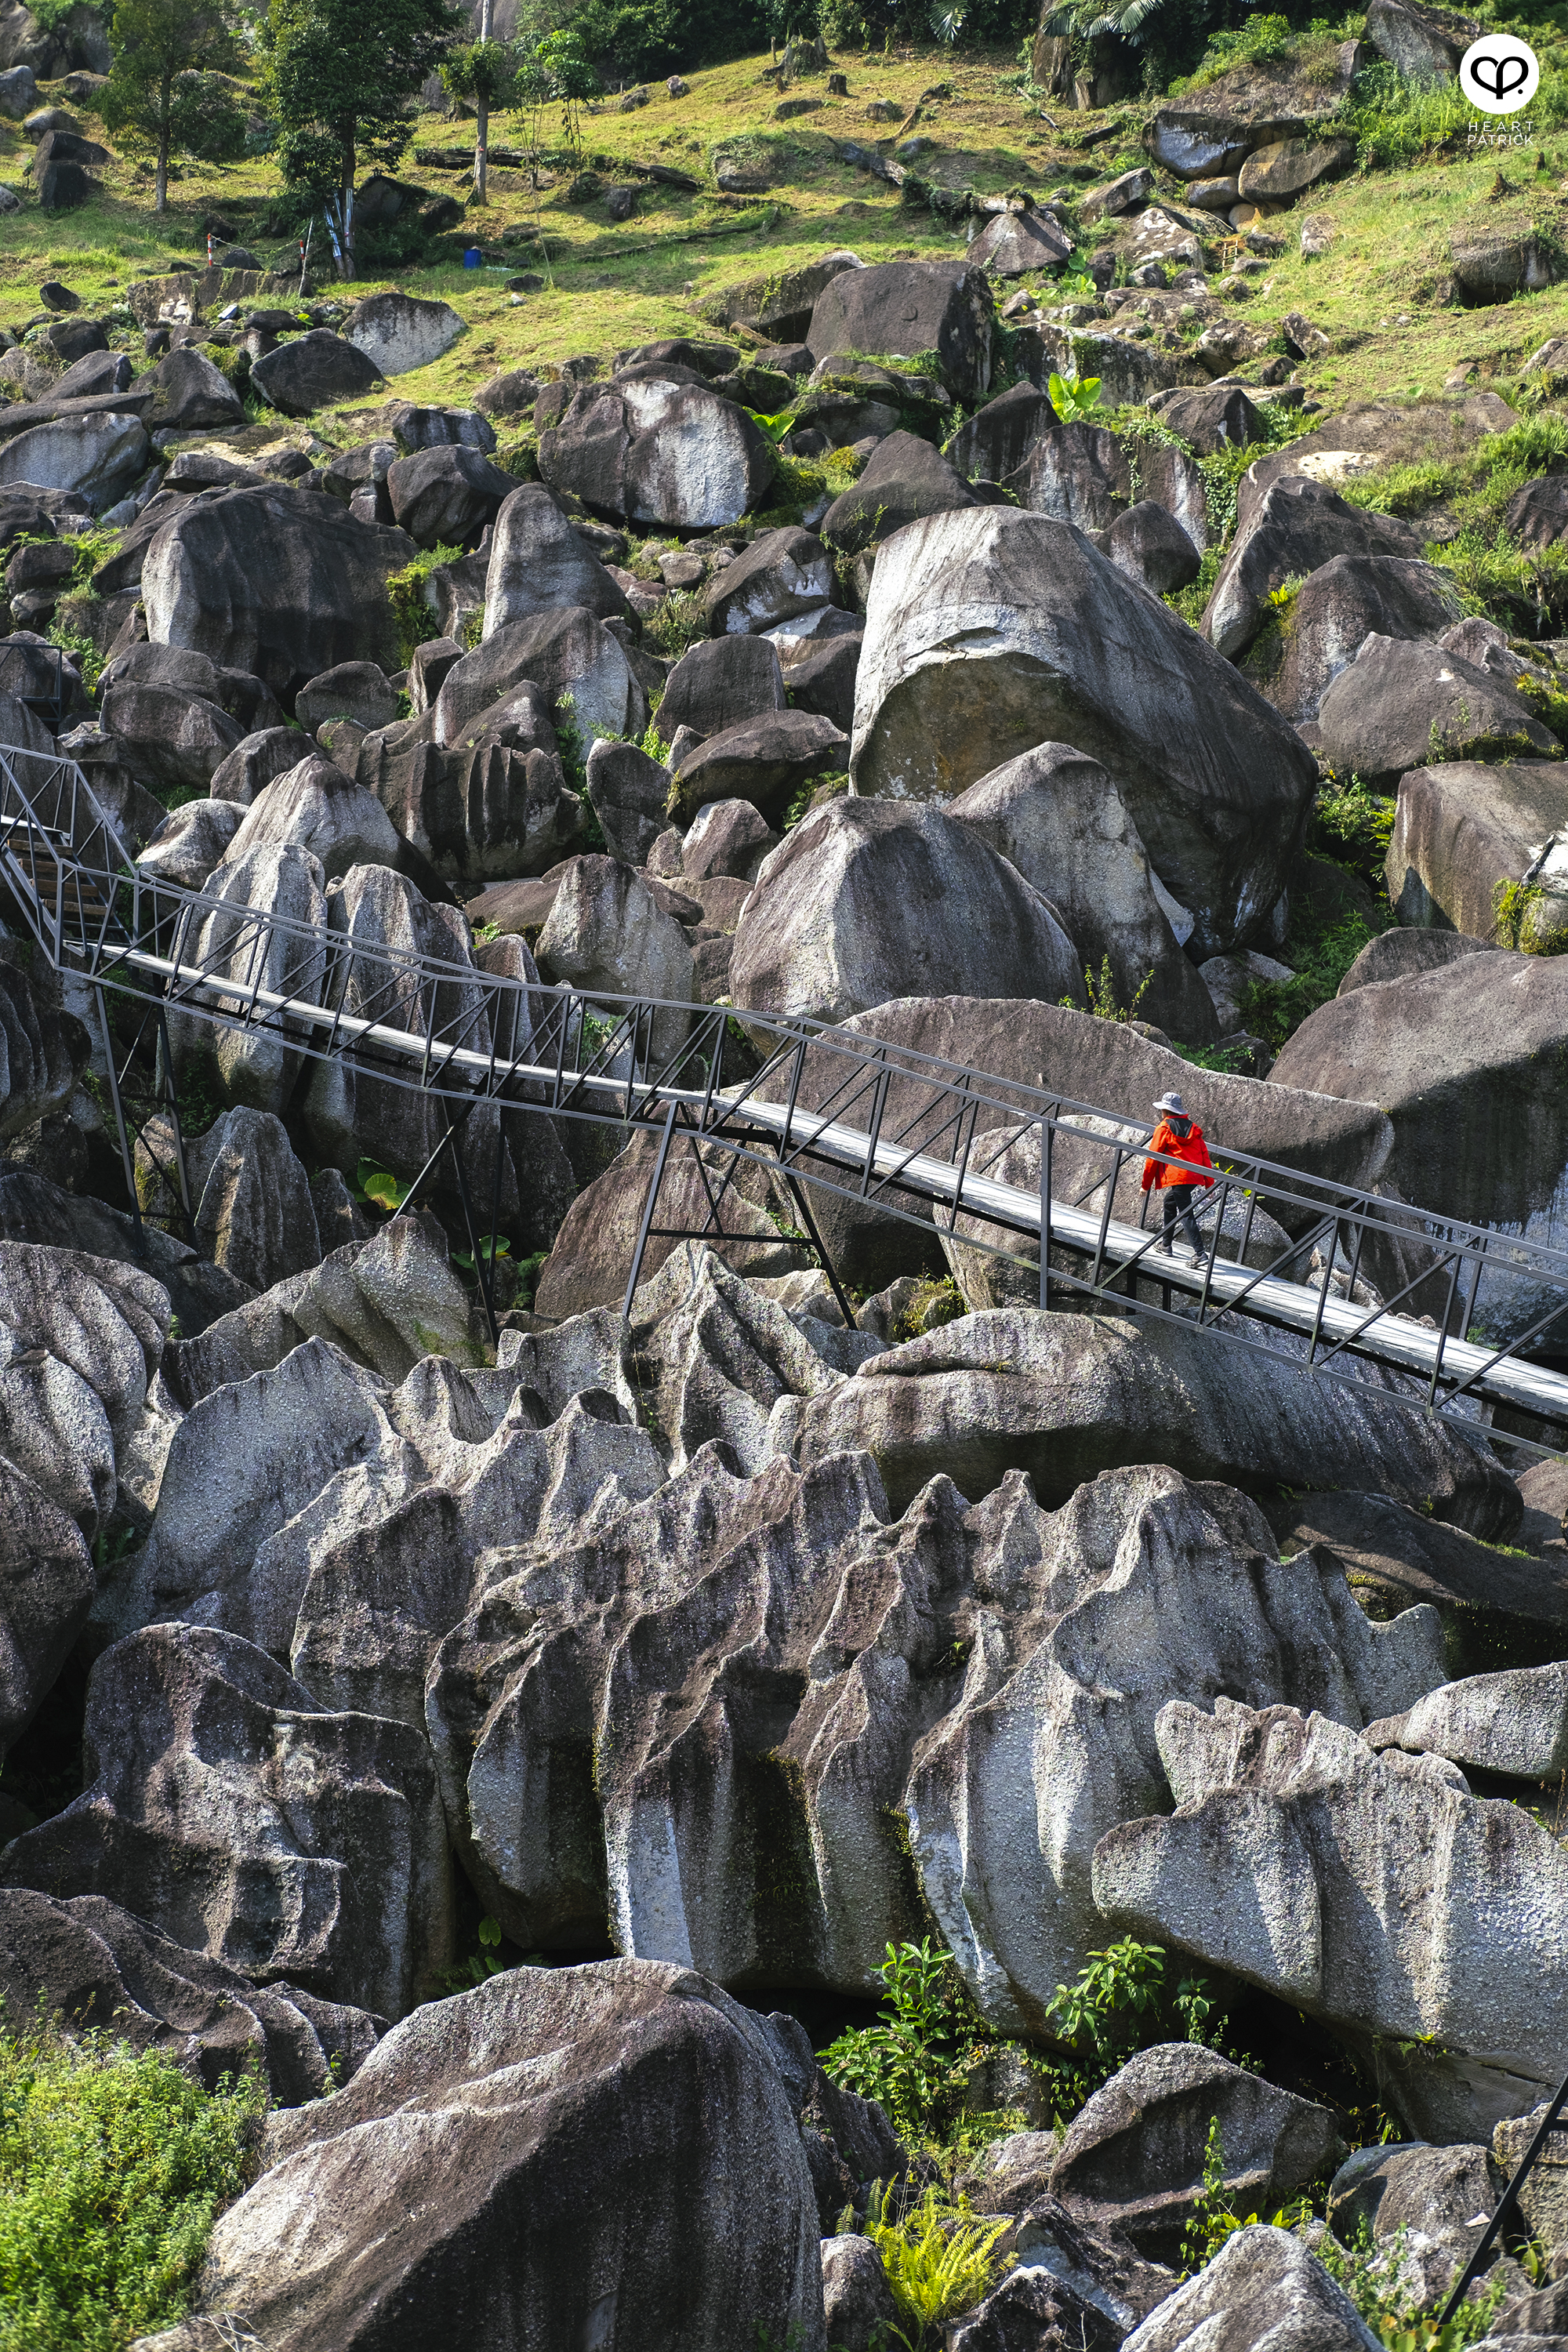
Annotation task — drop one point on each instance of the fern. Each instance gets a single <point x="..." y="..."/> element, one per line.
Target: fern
<point x="940" y="2260"/>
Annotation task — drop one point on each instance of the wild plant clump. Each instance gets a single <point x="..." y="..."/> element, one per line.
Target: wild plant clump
<point x="113" y="2167"/>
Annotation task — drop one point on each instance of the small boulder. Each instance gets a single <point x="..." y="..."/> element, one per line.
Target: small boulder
<point x="313" y="370"/>
<point x="446" y="496"/>
<point x="1150" y="546"/>
<point x="254" y="763"/>
<point x="856" y="2299"/>
<point x="190" y="395"/>
<point x="397" y="333"/>
<point x="315" y="808"/>
<point x="628" y="791"/>
<point x="782" y="573"/>
<point x="356" y="690"/>
<point x="1462" y="831"/>
<point x="901" y="309"/>
<point x="189" y="845"/>
<point x="904" y="479"/>
<point x="1284" y="170"/>
<point x="1262" y="2283"/>
<point x="96" y="456"/>
<point x="765" y="760"/>
<point x="1020" y="244"/>
<point x="719" y="684"/>
<point x="93" y="1962"/>
<point x="1221" y="418"/>
<point x="1058" y="816"/>
<point x="726" y="837"/>
<point x="1135" y="2157"/>
<point x="1000" y="437"/>
<point x="606" y="932"/>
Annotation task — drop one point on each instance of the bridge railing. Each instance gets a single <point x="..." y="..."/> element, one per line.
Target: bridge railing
<point x="997" y="1163"/>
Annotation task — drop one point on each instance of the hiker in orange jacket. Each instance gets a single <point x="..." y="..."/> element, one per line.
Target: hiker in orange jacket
<point x="1183" y="1139"/>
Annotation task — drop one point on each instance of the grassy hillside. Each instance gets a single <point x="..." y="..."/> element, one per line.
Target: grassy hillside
<point x="1377" y="290"/>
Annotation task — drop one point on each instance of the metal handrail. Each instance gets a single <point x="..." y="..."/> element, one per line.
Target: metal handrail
<point x="441" y="1026"/>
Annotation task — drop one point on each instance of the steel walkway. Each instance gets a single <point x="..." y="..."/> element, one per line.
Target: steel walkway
<point x="826" y="1113"/>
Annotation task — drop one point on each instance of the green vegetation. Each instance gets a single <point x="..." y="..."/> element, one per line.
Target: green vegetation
<point x="405" y="593"/>
<point x="339" y="75"/>
<point x="1216" y="2217"/>
<point x="162" y="93"/>
<point x="1100" y="991"/>
<point x="940" y="2261"/>
<point x="375" y="1188"/>
<point x="113" y="2168"/>
<point x="932" y="1304"/>
<point x="1530" y="918"/>
<point x="908" y="2059"/>
<point x="1075" y="398"/>
<point x="1375" y="2279"/>
<point x="1120" y="2001"/>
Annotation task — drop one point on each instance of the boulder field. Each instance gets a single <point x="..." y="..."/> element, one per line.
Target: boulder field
<point x="706" y="1634"/>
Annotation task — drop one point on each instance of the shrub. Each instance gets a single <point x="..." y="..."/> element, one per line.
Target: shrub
<point x="1380" y="2284"/>
<point x="113" y="2167"/>
<point x="1118" y="2003"/>
<point x="907" y="2060"/>
<point x="405" y="593"/>
<point x="1353" y="827"/>
<point x="1275" y="1009"/>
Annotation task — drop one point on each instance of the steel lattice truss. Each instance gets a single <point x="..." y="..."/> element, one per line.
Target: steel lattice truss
<point x="827" y="1114"/>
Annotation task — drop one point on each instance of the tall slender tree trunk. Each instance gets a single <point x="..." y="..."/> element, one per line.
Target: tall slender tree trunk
<point x="346" y="208"/>
<point x="166" y="98"/>
<point x="482" y="110"/>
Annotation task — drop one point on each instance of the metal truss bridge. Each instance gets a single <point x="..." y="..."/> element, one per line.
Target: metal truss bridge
<point x="824" y="1112"/>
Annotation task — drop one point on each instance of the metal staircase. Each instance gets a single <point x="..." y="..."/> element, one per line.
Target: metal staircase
<point x="1284" y="1264"/>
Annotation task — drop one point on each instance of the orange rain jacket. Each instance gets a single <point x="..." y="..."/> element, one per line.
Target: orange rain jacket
<point x="1189" y="1147"/>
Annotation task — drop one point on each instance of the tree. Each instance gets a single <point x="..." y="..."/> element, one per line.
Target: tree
<point x="481" y="77"/>
<point x="158" y="96"/>
<point x="339" y="75"/>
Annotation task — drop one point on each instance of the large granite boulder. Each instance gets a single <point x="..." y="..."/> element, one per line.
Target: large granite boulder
<point x="1328" y="619"/>
<point x="539" y="561"/>
<point x="1463" y="830"/>
<point x="869" y="900"/>
<point x="275" y="584"/>
<point x="1372" y="1890"/>
<point x="1298" y="525"/>
<point x="561" y="2158"/>
<point x="233" y="1814"/>
<point x="990" y="632"/>
<point x="647" y="447"/>
<point x="1470" y="1062"/>
<point x="1064" y="1396"/>
<point x="1059" y="819"/>
<point x="1398" y="702"/>
<point x="98" y="1969"/>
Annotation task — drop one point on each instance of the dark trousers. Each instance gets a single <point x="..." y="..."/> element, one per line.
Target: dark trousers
<point x="1176" y="1209"/>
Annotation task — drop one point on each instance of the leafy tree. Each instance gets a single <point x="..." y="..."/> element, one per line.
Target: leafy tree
<point x="482" y="77"/>
<point x="339" y="75"/>
<point x="159" y="96"/>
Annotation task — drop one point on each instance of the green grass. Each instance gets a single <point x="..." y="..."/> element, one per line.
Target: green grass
<point x="1376" y="293"/>
<point x="113" y="2168"/>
